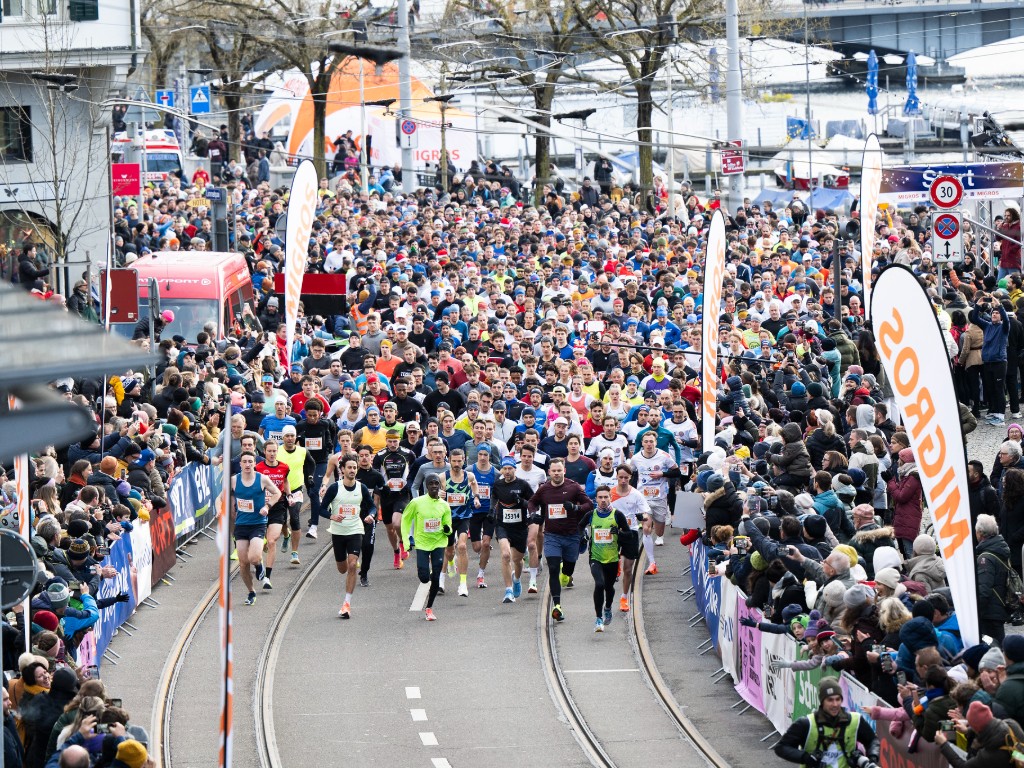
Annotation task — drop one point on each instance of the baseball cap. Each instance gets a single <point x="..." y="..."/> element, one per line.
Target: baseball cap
<point x="560" y="420"/>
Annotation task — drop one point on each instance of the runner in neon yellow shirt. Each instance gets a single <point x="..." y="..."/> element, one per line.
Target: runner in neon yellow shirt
<point x="429" y="521"/>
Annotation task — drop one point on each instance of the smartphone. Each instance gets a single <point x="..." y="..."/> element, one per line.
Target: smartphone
<point x="946" y="725"/>
<point x="102" y="552"/>
<point x="116" y="703"/>
<point x="91" y="672"/>
<point x="74" y="586"/>
<point x="102" y="728"/>
<point x="901" y="678"/>
<point x="124" y="474"/>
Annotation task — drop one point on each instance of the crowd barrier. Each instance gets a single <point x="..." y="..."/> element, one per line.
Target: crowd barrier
<point x="146" y="556"/>
<point x="750" y="658"/>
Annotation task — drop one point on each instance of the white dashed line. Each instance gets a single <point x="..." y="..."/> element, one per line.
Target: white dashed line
<point x="440" y="762"/>
<point x="412" y="692"/>
<point x="420" y="598"/>
<point x="418" y="715"/>
<point x="428" y="738"/>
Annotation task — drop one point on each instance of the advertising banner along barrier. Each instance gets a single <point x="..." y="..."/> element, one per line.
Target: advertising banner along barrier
<point x="870" y="184"/>
<point x="913" y="353"/>
<point x="301" y="211"/>
<point x="714" y="275"/>
<point x="749" y="685"/>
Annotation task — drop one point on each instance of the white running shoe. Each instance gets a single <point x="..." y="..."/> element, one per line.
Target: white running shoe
<point x="659" y="542"/>
<point x="463" y="590"/>
<point x="311" y="533"/>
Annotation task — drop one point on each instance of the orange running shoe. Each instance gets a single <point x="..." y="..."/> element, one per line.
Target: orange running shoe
<point x="652" y="569"/>
<point x="624" y="604"/>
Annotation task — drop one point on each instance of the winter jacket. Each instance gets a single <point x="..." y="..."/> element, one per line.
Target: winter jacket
<point x="971" y="342"/>
<point x="818" y="444"/>
<point x="1012" y="526"/>
<point x="991" y="556"/>
<point x="1010" y="695"/>
<point x="794" y="459"/>
<point x="930" y="570"/>
<point x="984" y="500"/>
<point x="723" y="507"/>
<point x="906" y="496"/>
<point x="869" y="538"/>
<point x="787" y="591"/>
<point x="847" y="350"/>
<point x="993" y="348"/>
<point x="992" y="747"/>
<point x="829" y="506"/>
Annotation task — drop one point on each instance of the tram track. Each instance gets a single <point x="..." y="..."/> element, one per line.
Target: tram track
<point x="566" y="704"/>
<point x="160" y="724"/>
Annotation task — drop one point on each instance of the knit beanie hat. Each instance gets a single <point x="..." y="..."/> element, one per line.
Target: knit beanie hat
<point x="888" y="577"/>
<point x="132" y="753"/>
<point x="886" y="557"/>
<point x="815" y="525"/>
<point x="1013" y="648"/>
<point x="906" y="455"/>
<point x="849" y="551"/>
<point x="857" y="595"/>
<point x="992" y="659"/>
<point x="804" y="503"/>
<point x="924" y="545"/>
<point x="833" y="594"/>
<point x="758" y="562"/>
<point x="978" y="716"/>
<point x="973" y="656"/>
<point x="829" y="686"/>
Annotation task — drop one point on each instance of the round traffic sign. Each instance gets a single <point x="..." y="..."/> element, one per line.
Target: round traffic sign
<point x="946" y="227"/>
<point x="408" y="127"/>
<point x="946" y="191"/>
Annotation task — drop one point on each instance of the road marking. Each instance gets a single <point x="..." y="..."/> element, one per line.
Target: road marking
<point x="440" y="762"/>
<point x="412" y="692"/>
<point x="418" y="715"/>
<point x="428" y="738"/>
<point x="597" y="671"/>
<point x="420" y="598"/>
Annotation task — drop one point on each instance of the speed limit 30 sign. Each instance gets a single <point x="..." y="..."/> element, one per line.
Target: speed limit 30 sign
<point x="946" y="192"/>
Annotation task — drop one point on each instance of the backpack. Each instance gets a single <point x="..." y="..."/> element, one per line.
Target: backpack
<point x="1014" y="602"/>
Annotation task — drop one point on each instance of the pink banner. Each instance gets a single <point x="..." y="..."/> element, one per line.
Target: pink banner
<point x="301" y="211"/>
<point x="749" y="657"/>
<point x="870" y="184"/>
<point x="714" y="275"/>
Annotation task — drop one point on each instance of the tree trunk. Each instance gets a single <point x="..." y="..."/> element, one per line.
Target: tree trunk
<point x="542" y="99"/>
<point x="319" y="128"/>
<point x="644" y="111"/>
<point x="232" y="102"/>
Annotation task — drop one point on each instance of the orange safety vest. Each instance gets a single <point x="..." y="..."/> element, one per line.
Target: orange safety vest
<point x="361" y="320"/>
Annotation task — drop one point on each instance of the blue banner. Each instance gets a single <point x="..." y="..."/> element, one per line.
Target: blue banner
<point x="910" y="183"/>
<point x="707" y="589"/>
<point x="126" y="580"/>
<point x="190" y="498"/>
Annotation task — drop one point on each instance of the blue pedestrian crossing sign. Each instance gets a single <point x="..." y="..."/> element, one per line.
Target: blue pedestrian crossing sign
<point x="165" y="98"/>
<point x="199" y="99"/>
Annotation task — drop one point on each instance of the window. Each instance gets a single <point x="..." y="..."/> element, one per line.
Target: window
<point x="13" y="8"/>
<point x="16" y="134"/>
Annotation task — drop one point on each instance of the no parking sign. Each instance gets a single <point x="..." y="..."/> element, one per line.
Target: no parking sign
<point x="408" y="136"/>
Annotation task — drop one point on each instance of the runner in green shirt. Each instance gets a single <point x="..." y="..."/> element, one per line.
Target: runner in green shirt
<point x="426" y="525"/>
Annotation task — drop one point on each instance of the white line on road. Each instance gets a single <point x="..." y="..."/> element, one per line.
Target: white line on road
<point x="440" y="762"/>
<point x="596" y="671"/>
<point x="412" y="692"/>
<point x="418" y="715"/>
<point x="428" y="738"/>
<point x="420" y="598"/>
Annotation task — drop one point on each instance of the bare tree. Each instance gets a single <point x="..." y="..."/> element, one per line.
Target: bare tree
<point x="162" y="27"/>
<point x="638" y="34"/>
<point x="68" y="149"/>
<point x="531" y="44"/>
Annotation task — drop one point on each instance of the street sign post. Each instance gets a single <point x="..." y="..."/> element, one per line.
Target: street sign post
<point x="409" y="137"/>
<point x="199" y="99"/>
<point x="732" y="160"/>
<point x="946" y="192"/>
<point x="947" y="238"/>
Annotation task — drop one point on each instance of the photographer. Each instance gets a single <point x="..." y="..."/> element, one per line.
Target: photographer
<point x="830" y="735"/>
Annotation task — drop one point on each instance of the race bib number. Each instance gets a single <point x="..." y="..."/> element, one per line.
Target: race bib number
<point x="652" y="491"/>
<point x="684" y="470"/>
<point x="396" y="483"/>
<point x="433" y="525"/>
<point x="456" y="499"/>
<point x="602" y="536"/>
<point x="349" y="510"/>
<point x="314" y="443"/>
<point x="512" y="516"/>
<point x="484" y="491"/>
<point x="556" y="512"/>
<point x="246" y="505"/>
<point x="278" y="436"/>
<point x="631" y="519"/>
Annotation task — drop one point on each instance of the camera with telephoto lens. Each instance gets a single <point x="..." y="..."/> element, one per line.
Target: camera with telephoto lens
<point x="863" y="761"/>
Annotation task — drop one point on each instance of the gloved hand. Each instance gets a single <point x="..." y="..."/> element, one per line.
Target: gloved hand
<point x="831" y="661"/>
<point x="124" y="597"/>
<point x="446" y="530"/>
<point x="571" y="507"/>
<point x="536" y="519"/>
<point x="746" y="621"/>
<point x="811" y="760"/>
<point x="776" y="448"/>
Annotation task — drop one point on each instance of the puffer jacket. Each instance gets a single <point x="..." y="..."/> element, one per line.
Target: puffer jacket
<point x="847" y="351"/>
<point x="818" y="444"/>
<point x="723" y="507"/>
<point x="991" y="557"/>
<point x="869" y="538"/>
<point x="906" y="496"/>
<point x="794" y="459"/>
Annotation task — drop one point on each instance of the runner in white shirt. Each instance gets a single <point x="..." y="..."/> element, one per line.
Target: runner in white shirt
<point x="534" y="538"/>
<point x="685" y="431"/>
<point x="630" y="502"/>
<point x="654" y="469"/>
<point x="611" y="440"/>
<point x="633" y="428"/>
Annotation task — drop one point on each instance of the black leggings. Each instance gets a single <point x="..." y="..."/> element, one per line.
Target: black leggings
<point x="556" y="566"/>
<point x="604" y="585"/>
<point x="369" y="539"/>
<point x="428" y="568"/>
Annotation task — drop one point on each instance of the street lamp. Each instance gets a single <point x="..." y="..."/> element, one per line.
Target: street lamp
<point x="443" y="100"/>
<point x="379" y="57"/>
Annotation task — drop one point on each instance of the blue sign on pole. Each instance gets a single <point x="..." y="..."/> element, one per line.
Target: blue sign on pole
<point x="165" y="98"/>
<point x="199" y="99"/>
